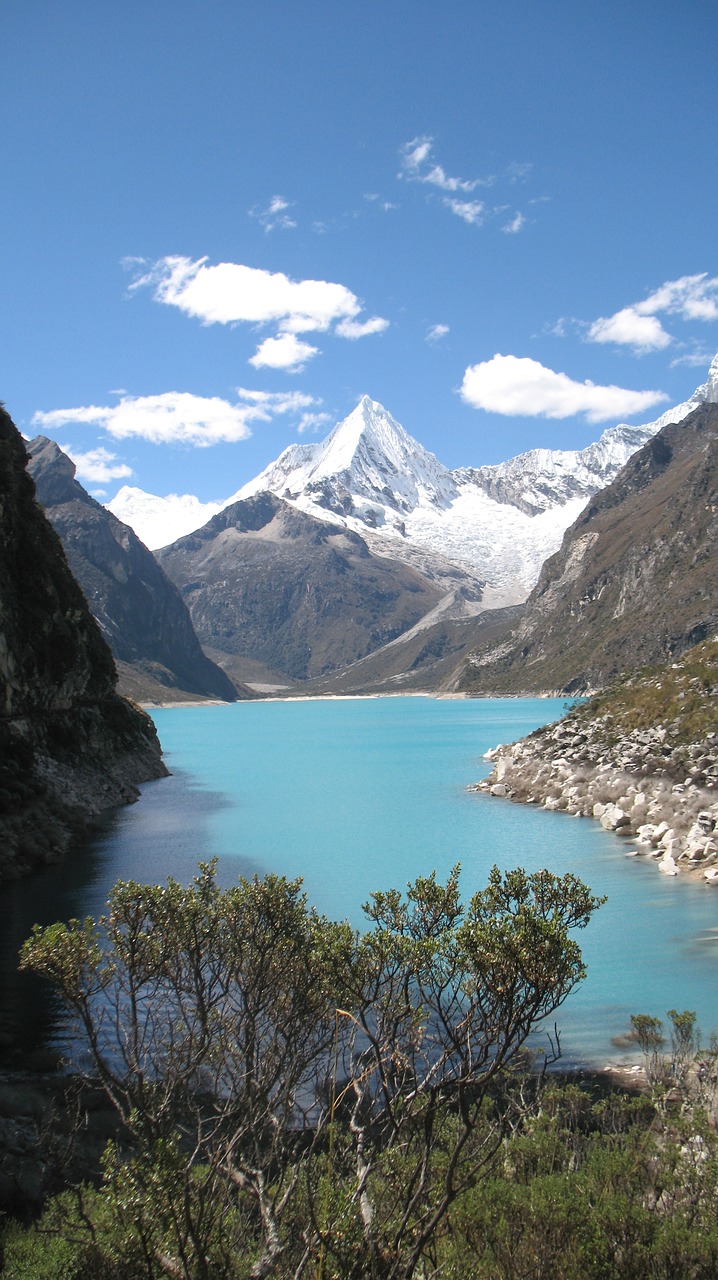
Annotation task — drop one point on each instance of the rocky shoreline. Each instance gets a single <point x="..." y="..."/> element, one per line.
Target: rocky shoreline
<point x="647" y="785"/>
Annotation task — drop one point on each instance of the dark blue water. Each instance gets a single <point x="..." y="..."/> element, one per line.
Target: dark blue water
<point x="364" y="794"/>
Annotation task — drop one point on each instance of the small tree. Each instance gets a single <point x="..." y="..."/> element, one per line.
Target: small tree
<point x="447" y="997"/>
<point x="293" y="1091"/>
<point x="210" y="1018"/>
<point x="648" y="1032"/>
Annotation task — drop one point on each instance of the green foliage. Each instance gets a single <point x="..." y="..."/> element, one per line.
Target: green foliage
<point x="680" y="694"/>
<point x="584" y="1185"/>
<point x="299" y="1099"/>
<point x="591" y="1190"/>
<point x="294" y="1093"/>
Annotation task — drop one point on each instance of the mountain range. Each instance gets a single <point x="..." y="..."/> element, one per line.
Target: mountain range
<point x="497" y="524"/>
<point x="361" y="564"/>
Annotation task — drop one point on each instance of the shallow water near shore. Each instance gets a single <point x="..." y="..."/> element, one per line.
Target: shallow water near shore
<point x="364" y="794"/>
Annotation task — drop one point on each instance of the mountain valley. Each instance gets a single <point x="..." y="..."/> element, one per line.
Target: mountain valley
<point x="361" y="564"/>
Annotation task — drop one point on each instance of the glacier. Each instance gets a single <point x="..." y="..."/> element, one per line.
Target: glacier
<point x="483" y="531"/>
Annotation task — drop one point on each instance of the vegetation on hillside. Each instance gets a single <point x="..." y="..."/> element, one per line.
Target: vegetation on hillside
<point x="682" y="696"/>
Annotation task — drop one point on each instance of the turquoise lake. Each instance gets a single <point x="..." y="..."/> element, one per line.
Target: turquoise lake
<point x="357" y="795"/>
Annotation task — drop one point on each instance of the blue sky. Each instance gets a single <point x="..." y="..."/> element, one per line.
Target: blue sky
<point x="222" y="223"/>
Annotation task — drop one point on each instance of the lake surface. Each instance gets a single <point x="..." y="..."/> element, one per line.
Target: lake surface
<point x="358" y="795"/>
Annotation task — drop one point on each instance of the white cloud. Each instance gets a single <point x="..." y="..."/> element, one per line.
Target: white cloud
<point x="97" y="466"/>
<point x="285" y="352"/>
<point x="472" y="211"/>
<point x="629" y="328"/>
<point x="414" y="159"/>
<point x="517" y="386"/>
<point x="361" y="328"/>
<point x="414" y="154"/>
<point x="385" y="205"/>
<point x="176" y="417"/>
<point x="694" y="359"/>
<point x="312" y="422"/>
<point x="515" y="224"/>
<point x="417" y="164"/>
<point x="275" y="215"/>
<point x="516" y="171"/>
<point x="560" y="327"/>
<point x="436" y="332"/>
<point x="690" y="297"/>
<point x="230" y="293"/>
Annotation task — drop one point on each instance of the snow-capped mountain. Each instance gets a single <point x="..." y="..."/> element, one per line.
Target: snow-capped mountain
<point x="368" y="468"/>
<point x="160" y="521"/>
<point x="498" y="523"/>
<point x="544" y="478"/>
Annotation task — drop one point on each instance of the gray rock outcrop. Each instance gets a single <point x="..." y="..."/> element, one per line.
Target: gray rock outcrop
<point x="653" y="782"/>
<point x="70" y="746"/>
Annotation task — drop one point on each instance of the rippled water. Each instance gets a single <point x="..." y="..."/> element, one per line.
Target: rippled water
<point x="362" y="794"/>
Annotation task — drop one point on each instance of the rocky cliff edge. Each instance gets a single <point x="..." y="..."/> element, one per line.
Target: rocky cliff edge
<point x="69" y="745"/>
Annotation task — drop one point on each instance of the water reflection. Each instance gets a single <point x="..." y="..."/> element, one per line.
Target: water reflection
<point x="166" y="834"/>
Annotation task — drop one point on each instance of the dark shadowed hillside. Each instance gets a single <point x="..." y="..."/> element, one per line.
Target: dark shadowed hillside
<point x="69" y="745"/>
<point x="635" y="581"/>
<point x="267" y="583"/>
<point x="141" y="613"/>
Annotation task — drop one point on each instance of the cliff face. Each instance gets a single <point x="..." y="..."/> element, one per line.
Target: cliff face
<point x="635" y="581"/>
<point x="69" y="745"/>
<point x="141" y="613"/>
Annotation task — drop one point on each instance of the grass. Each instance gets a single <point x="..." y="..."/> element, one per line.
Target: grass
<point x="683" y="696"/>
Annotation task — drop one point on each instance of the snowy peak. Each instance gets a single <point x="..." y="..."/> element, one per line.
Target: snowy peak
<point x="371" y="451"/>
<point x="707" y="393"/>
<point x="543" y="479"/>
<point x="368" y="465"/>
<point x="494" y="524"/>
<point x="160" y="521"/>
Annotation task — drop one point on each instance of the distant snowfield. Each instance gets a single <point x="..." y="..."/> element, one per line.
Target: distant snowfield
<point x="160" y="521"/>
<point x="497" y="524"/>
<point x="503" y="544"/>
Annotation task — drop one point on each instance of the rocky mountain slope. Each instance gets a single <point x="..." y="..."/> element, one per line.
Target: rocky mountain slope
<point x="497" y="523"/>
<point x="635" y="581"/>
<point x="276" y="594"/>
<point x="420" y="659"/>
<point x="69" y="745"/>
<point x="641" y="758"/>
<point x="140" y="612"/>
